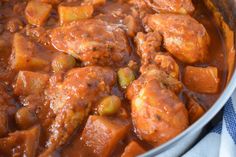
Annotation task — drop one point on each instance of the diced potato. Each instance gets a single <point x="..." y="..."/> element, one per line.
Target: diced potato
<point x="95" y="2"/>
<point x="63" y="62"/>
<point x="30" y="83"/>
<point x="73" y="13"/>
<point x="37" y="12"/>
<point x="101" y="134"/>
<point x="3" y="123"/>
<point x="25" y="142"/>
<point x="131" y="24"/>
<point x="24" y="55"/>
<point x="51" y="1"/>
<point x="25" y="118"/>
<point x="195" y="110"/>
<point x="125" y="77"/>
<point x="133" y="149"/>
<point x="203" y="80"/>
<point x="109" y="105"/>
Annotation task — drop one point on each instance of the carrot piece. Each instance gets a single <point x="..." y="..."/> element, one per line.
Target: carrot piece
<point x="132" y="150"/>
<point x="73" y="13"/>
<point x="37" y="12"/>
<point x="203" y="80"/>
<point x="102" y="134"/>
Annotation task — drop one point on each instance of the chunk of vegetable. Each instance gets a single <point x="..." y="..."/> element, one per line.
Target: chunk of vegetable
<point x="73" y="13"/>
<point x="51" y="1"/>
<point x="25" y="55"/>
<point x="25" y="118"/>
<point x="125" y="77"/>
<point x="30" y="83"/>
<point x="133" y="149"/>
<point x="102" y="134"/>
<point x="131" y="24"/>
<point x="203" y="80"/>
<point x="37" y="12"/>
<point x="3" y="123"/>
<point x="195" y="110"/>
<point x="63" y="62"/>
<point x="25" y="142"/>
<point x="109" y="105"/>
<point x="95" y="2"/>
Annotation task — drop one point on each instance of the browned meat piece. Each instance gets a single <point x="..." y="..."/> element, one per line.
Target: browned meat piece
<point x="148" y="48"/>
<point x="184" y="37"/>
<point x="157" y="113"/>
<point x="21" y="143"/>
<point x="171" y="6"/>
<point x="148" y="45"/>
<point x="93" y="41"/>
<point x="72" y="99"/>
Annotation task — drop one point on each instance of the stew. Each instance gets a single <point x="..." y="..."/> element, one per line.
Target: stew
<point x="104" y="77"/>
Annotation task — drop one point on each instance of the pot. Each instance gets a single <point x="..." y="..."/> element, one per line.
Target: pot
<point x="224" y="12"/>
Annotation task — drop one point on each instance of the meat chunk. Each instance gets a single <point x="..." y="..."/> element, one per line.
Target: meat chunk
<point x="171" y="6"/>
<point x="148" y="45"/>
<point x="81" y="39"/>
<point x="133" y="149"/>
<point x="203" y="80"/>
<point x="102" y="134"/>
<point x="184" y="37"/>
<point x="148" y="48"/>
<point x="72" y="99"/>
<point x="157" y="113"/>
<point x="22" y="143"/>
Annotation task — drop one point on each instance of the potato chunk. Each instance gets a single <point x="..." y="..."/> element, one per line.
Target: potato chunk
<point x="203" y="80"/>
<point x="73" y="13"/>
<point x="133" y="149"/>
<point x="25" y="54"/>
<point x="195" y="110"/>
<point x="30" y="83"/>
<point x="102" y="134"/>
<point x="37" y="12"/>
<point x="25" y="142"/>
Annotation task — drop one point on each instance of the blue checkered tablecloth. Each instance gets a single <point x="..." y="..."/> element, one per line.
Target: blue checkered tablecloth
<point x="221" y="140"/>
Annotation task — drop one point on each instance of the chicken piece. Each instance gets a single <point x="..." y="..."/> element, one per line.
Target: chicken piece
<point x="184" y="37"/>
<point x="72" y="99"/>
<point x="148" y="45"/>
<point x="157" y="113"/>
<point x="171" y="6"/>
<point x="203" y="80"/>
<point x="22" y="143"/>
<point x="81" y="39"/>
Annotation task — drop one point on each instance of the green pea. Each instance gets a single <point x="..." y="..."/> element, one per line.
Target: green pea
<point x="109" y="105"/>
<point x="125" y="77"/>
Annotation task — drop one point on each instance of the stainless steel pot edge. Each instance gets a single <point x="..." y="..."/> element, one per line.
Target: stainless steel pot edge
<point x="201" y="122"/>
